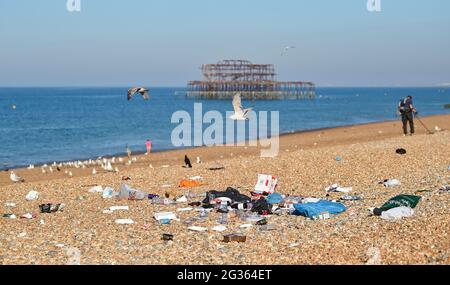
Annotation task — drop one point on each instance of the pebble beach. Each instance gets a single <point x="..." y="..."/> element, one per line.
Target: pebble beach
<point x="307" y="163"/>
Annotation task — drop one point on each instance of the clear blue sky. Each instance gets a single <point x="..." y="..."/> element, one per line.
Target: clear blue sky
<point x="164" y="42"/>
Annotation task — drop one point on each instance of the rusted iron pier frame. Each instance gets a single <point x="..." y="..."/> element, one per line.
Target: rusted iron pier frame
<point x="251" y="90"/>
<point x="254" y="81"/>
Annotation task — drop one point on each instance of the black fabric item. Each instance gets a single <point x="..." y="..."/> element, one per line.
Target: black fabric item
<point x="401" y="151"/>
<point x="261" y="206"/>
<point x="231" y="193"/>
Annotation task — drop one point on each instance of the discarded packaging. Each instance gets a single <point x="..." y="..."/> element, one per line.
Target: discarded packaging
<point x="319" y="210"/>
<point x="234" y="238"/>
<point x="167" y="237"/>
<point x="266" y="184"/>
<point x="390" y="182"/>
<point x="28" y="216"/>
<point x="124" y="222"/>
<point x="219" y="228"/>
<point x="126" y="192"/>
<point x="165" y="216"/>
<point x="198" y="229"/>
<point x="267" y="228"/>
<point x="96" y="189"/>
<point x="119" y="208"/>
<point x="397" y="213"/>
<point x="50" y="208"/>
<point x="398" y="201"/>
<point x="337" y="188"/>
<point x="32" y="196"/>
<point x="108" y="193"/>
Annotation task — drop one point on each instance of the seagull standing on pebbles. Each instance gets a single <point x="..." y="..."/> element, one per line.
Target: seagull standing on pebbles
<point x="15" y="178"/>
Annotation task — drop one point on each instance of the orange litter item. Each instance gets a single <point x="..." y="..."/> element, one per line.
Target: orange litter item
<point x="188" y="183"/>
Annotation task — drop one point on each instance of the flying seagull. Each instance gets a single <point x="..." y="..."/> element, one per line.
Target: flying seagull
<point x="15" y="178"/>
<point x="240" y="114"/>
<point x="141" y="90"/>
<point x="286" y="49"/>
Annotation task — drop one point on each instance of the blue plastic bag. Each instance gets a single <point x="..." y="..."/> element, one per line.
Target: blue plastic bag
<point x="311" y="210"/>
<point x="274" y="198"/>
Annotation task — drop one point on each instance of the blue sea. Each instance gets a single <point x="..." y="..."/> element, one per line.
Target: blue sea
<point x="61" y="124"/>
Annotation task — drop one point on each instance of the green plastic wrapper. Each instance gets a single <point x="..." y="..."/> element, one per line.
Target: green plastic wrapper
<point x="399" y="201"/>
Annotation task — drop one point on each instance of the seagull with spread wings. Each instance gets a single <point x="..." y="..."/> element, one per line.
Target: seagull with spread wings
<point x="141" y="90"/>
<point x="240" y="114"/>
<point x="286" y="49"/>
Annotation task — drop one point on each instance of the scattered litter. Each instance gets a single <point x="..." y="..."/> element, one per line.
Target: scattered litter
<point x="246" y="226"/>
<point x="167" y="237"/>
<point x="42" y="222"/>
<point x="198" y="229"/>
<point x="165" y="216"/>
<point x="126" y="192"/>
<point x="320" y="210"/>
<point x="108" y="193"/>
<point x="164" y="221"/>
<point x="9" y="216"/>
<point x="337" y="188"/>
<point x="338" y="158"/>
<point x="189" y="183"/>
<point x="185" y="209"/>
<point x="267" y="228"/>
<point x="397" y="213"/>
<point x="216" y="167"/>
<point x="32" y="196"/>
<point x="22" y="235"/>
<point x="350" y="198"/>
<point x="124" y="222"/>
<point x="234" y="238"/>
<point x="119" y="208"/>
<point x="196" y="178"/>
<point x="266" y="184"/>
<point x="390" y="182"/>
<point x="28" y="216"/>
<point x="182" y="199"/>
<point x="60" y="245"/>
<point x="219" y="228"/>
<point x="275" y="198"/>
<point x="401" y="151"/>
<point x="231" y="193"/>
<point x="398" y="201"/>
<point x="445" y="188"/>
<point x="50" y="208"/>
<point x="10" y="204"/>
<point x="310" y="200"/>
<point x="96" y="189"/>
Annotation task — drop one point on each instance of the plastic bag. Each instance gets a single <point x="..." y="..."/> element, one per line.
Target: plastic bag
<point x="398" y="201"/>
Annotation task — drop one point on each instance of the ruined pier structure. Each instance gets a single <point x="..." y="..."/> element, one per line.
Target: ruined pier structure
<point x="254" y="81"/>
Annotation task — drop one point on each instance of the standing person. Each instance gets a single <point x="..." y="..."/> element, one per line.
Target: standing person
<point x="129" y="152"/>
<point x="148" y="144"/>
<point x="407" y="111"/>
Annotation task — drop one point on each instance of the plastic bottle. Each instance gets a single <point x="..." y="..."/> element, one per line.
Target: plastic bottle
<point x="242" y="206"/>
<point x="203" y="214"/>
<point x="223" y="219"/>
